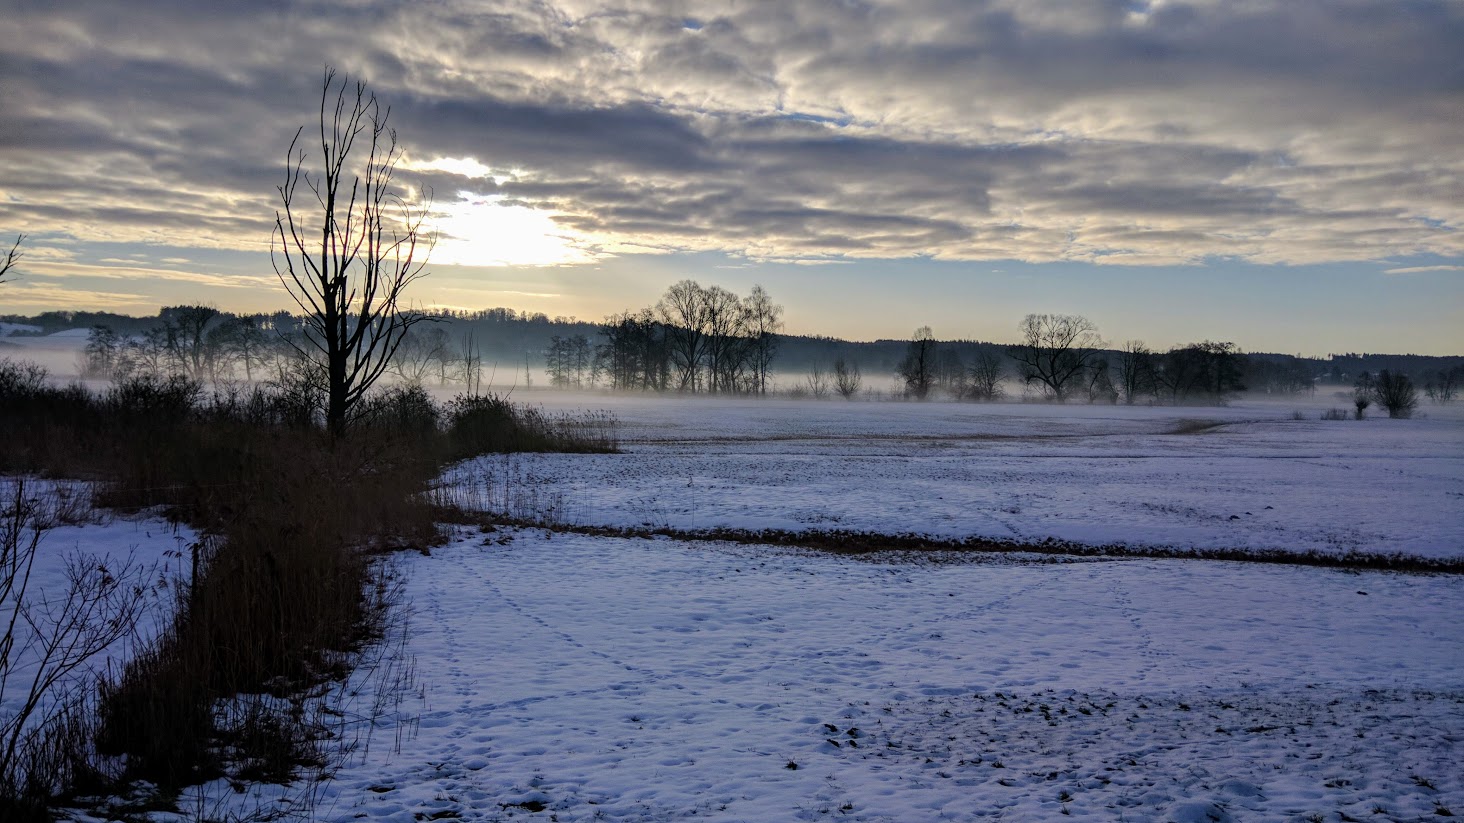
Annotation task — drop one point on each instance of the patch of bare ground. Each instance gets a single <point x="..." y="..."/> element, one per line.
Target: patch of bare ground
<point x="1189" y="426"/>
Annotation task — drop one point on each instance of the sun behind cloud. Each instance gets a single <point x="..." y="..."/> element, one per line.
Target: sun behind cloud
<point x="486" y="231"/>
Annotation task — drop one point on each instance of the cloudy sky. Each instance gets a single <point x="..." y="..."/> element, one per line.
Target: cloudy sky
<point x="1288" y="175"/>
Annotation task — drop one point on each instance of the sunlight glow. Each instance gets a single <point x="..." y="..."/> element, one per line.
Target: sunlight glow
<point x="461" y="166"/>
<point x="483" y="231"/>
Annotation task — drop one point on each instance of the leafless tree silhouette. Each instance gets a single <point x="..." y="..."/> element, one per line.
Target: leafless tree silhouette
<point x="847" y="378"/>
<point x="184" y="335"/>
<point x="12" y="257"/>
<point x="764" y="321"/>
<point x="1055" y="348"/>
<point x="682" y="311"/>
<point x="348" y="256"/>
<point x="1442" y="386"/>
<point x="49" y="639"/>
<point x="817" y="381"/>
<point x="1135" y="371"/>
<point x="918" y="367"/>
<point x="1395" y="392"/>
<point x="986" y="373"/>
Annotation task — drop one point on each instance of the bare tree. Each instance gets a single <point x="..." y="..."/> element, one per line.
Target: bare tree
<point x="416" y="356"/>
<point x="12" y="257"/>
<point x="103" y="352"/>
<point x="918" y="367"/>
<point x="764" y="321"/>
<point x="1362" y="394"/>
<point x="1100" y="382"/>
<point x="185" y="337"/>
<point x="469" y="363"/>
<point x="567" y="360"/>
<point x="725" y="321"/>
<point x="817" y="381"/>
<point x="440" y="345"/>
<point x="682" y="310"/>
<point x="1443" y="385"/>
<point x="636" y="353"/>
<point x="1206" y="372"/>
<point x="847" y="378"/>
<point x="1135" y="371"/>
<point x="1395" y="392"/>
<point x="241" y="339"/>
<point x="1055" y="349"/>
<point x="348" y="256"/>
<point x="949" y="372"/>
<point x="147" y="354"/>
<point x="985" y="377"/>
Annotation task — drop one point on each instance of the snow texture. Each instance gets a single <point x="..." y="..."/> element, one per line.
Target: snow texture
<point x="578" y="678"/>
<point x="611" y="679"/>
<point x="1245" y="477"/>
<point x="147" y="551"/>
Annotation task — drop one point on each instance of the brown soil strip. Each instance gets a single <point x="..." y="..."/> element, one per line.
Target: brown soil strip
<point x="862" y="543"/>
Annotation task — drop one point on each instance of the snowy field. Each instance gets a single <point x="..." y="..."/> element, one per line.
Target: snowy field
<point x="146" y="554"/>
<point x="567" y="677"/>
<point x="1247" y="476"/>
<point x="577" y="678"/>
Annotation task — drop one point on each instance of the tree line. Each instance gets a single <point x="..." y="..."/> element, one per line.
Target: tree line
<point x="695" y="339"/>
<point x="1062" y="357"/>
<point x="1058" y="357"/>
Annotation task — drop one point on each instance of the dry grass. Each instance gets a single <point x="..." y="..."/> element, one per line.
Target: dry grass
<point x="287" y="581"/>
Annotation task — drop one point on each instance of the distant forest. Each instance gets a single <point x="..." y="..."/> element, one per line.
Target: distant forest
<point x="522" y="347"/>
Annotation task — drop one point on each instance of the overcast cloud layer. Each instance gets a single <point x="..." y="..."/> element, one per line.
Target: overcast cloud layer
<point x="1149" y="133"/>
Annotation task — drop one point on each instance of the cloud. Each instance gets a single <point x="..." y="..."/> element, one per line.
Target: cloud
<point x="117" y="269"/>
<point x="39" y="296"/>
<point x="1274" y="131"/>
<point x="1422" y="269"/>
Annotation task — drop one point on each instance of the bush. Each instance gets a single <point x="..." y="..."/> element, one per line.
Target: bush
<point x="401" y="411"/>
<point x="489" y="424"/>
<point x="287" y="578"/>
<point x="20" y="381"/>
<point x="153" y="401"/>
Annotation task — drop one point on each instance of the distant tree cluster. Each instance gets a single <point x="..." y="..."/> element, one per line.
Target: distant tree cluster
<point x="570" y="361"/>
<point x="695" y="339"/>
<point x="1442" y="385"/>
<point x="1206" y="372"/>
<point x="1062" y="357"/>
<point x="203" y="343"/>
<point x="634" y="356"/>
<point x="200" y="342"/>
<point x="1392" y="391"/>
<point x="918" y="368"/>
<point x="929" y="366"/>
<point x="1281" y="376"/>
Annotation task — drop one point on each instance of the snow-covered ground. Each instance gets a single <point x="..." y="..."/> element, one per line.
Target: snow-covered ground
<point x="147" y="554"/>
<point x="1247" y="476"/>
<point x="576" y="678"/>
<point x="573" y="677"/>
